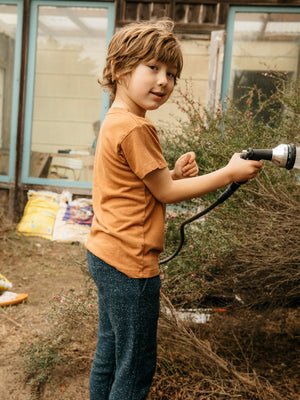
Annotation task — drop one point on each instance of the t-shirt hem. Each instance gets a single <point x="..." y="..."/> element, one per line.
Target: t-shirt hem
<point x="137" y="272"/>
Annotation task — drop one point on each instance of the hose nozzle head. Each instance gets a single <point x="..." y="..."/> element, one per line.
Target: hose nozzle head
<point x="284" y="155"/>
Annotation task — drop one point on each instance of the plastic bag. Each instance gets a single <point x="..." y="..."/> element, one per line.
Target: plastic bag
<point x="73" y="220"/>
<point x="39" y="214"/>
<point x="4" y="284"/>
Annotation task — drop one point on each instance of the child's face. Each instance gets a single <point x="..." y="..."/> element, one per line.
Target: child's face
<point x="147" y="87"/>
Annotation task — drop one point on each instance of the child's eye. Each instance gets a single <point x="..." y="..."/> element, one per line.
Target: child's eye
<point x="171" y="74"/>
<point x="154" y="67"/>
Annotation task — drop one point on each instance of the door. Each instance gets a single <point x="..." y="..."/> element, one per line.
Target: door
<point x="64" y="101"/>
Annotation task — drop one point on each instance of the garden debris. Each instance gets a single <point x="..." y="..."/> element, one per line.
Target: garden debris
<point x="11" y="298"/>
<point x="56" y="217"/>
<point x="194" y="315"/>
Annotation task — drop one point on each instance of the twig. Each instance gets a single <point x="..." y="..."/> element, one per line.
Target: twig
<point x="10" y="319"/>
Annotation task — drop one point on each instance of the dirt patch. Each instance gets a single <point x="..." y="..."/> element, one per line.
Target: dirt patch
<point x="42" y="269"/>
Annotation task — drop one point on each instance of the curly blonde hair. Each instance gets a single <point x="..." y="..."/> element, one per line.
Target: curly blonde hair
<point x="137" y="42"/>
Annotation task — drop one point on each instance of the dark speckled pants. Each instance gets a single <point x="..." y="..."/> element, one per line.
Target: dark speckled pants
<point x="125" y="357"/>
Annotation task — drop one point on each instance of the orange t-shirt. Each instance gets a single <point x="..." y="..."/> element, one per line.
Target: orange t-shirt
<point x="128" y="225"/>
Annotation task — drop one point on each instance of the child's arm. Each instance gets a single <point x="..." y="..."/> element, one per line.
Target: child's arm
<point x="185" y="167"/>
<point x="167" y="190"/>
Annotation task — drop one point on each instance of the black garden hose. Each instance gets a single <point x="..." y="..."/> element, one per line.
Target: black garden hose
<point x="223" y="196"/>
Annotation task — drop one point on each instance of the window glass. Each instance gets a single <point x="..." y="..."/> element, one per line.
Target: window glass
<point x="67" y="100"/>
<point x="8" y="27"/>
<point x="263" y="42"/>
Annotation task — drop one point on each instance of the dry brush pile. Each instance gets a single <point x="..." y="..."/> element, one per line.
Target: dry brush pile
<point x="251" y="351"/>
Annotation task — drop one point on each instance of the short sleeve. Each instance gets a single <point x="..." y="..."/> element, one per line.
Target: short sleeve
<point x="142" y="150"/>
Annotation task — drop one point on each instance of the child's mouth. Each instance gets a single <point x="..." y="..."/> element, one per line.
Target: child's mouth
<point x="158" y="94"/>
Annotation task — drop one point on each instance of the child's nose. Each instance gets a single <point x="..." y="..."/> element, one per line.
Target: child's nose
<point x="162" y="79"/>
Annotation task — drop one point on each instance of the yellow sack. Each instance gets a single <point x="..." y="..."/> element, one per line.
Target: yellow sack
<point x="39" y="214"/>
<point x="4" y="284"/>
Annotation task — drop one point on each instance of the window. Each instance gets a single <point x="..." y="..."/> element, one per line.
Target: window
<point x="260" y="40"/>
<point x="10" y="42"/>
<point x="64" y="101"/>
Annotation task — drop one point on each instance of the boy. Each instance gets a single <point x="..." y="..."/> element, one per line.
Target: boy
<point x="132" y="184"/>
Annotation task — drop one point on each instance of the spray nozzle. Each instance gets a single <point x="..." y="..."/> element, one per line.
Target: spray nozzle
<point x="284" y="155"/>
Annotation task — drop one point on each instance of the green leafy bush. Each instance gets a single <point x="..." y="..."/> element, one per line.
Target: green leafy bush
<point x="252" y="215"/>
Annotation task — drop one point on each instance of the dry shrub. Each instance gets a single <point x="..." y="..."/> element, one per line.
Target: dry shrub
<point x="264" y="269"/>
<point x="189" y="367"/>
<point x="251" y="351"/>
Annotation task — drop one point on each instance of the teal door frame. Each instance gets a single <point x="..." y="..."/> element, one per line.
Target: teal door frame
<point x="25" y="177"/>
<point x="16" y="89"/>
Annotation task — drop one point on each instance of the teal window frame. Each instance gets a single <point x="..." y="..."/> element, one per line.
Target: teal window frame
<point x="16" y="89"/>
<point x="25" y="178"/>
<point x="230" y="32"/>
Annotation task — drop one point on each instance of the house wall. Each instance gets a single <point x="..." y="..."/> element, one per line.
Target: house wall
<point x="195" y="20"/>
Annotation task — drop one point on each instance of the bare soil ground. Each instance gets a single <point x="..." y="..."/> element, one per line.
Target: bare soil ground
<point x="42" y="269"/>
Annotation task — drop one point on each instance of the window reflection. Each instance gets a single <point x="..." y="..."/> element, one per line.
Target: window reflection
<point x="67" y="98"/>
<point x="8" y="25"/>
<point x="263" y="42"/>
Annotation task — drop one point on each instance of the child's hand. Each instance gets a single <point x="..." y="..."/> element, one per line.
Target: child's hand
<point x="185" y="166"/>
<point x="242" y="170"/>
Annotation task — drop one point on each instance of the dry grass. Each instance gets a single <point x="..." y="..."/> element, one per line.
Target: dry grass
<point x="193" y="364"/>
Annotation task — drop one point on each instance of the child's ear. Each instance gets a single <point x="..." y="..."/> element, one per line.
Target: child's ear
<point x="115" y="75"/>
